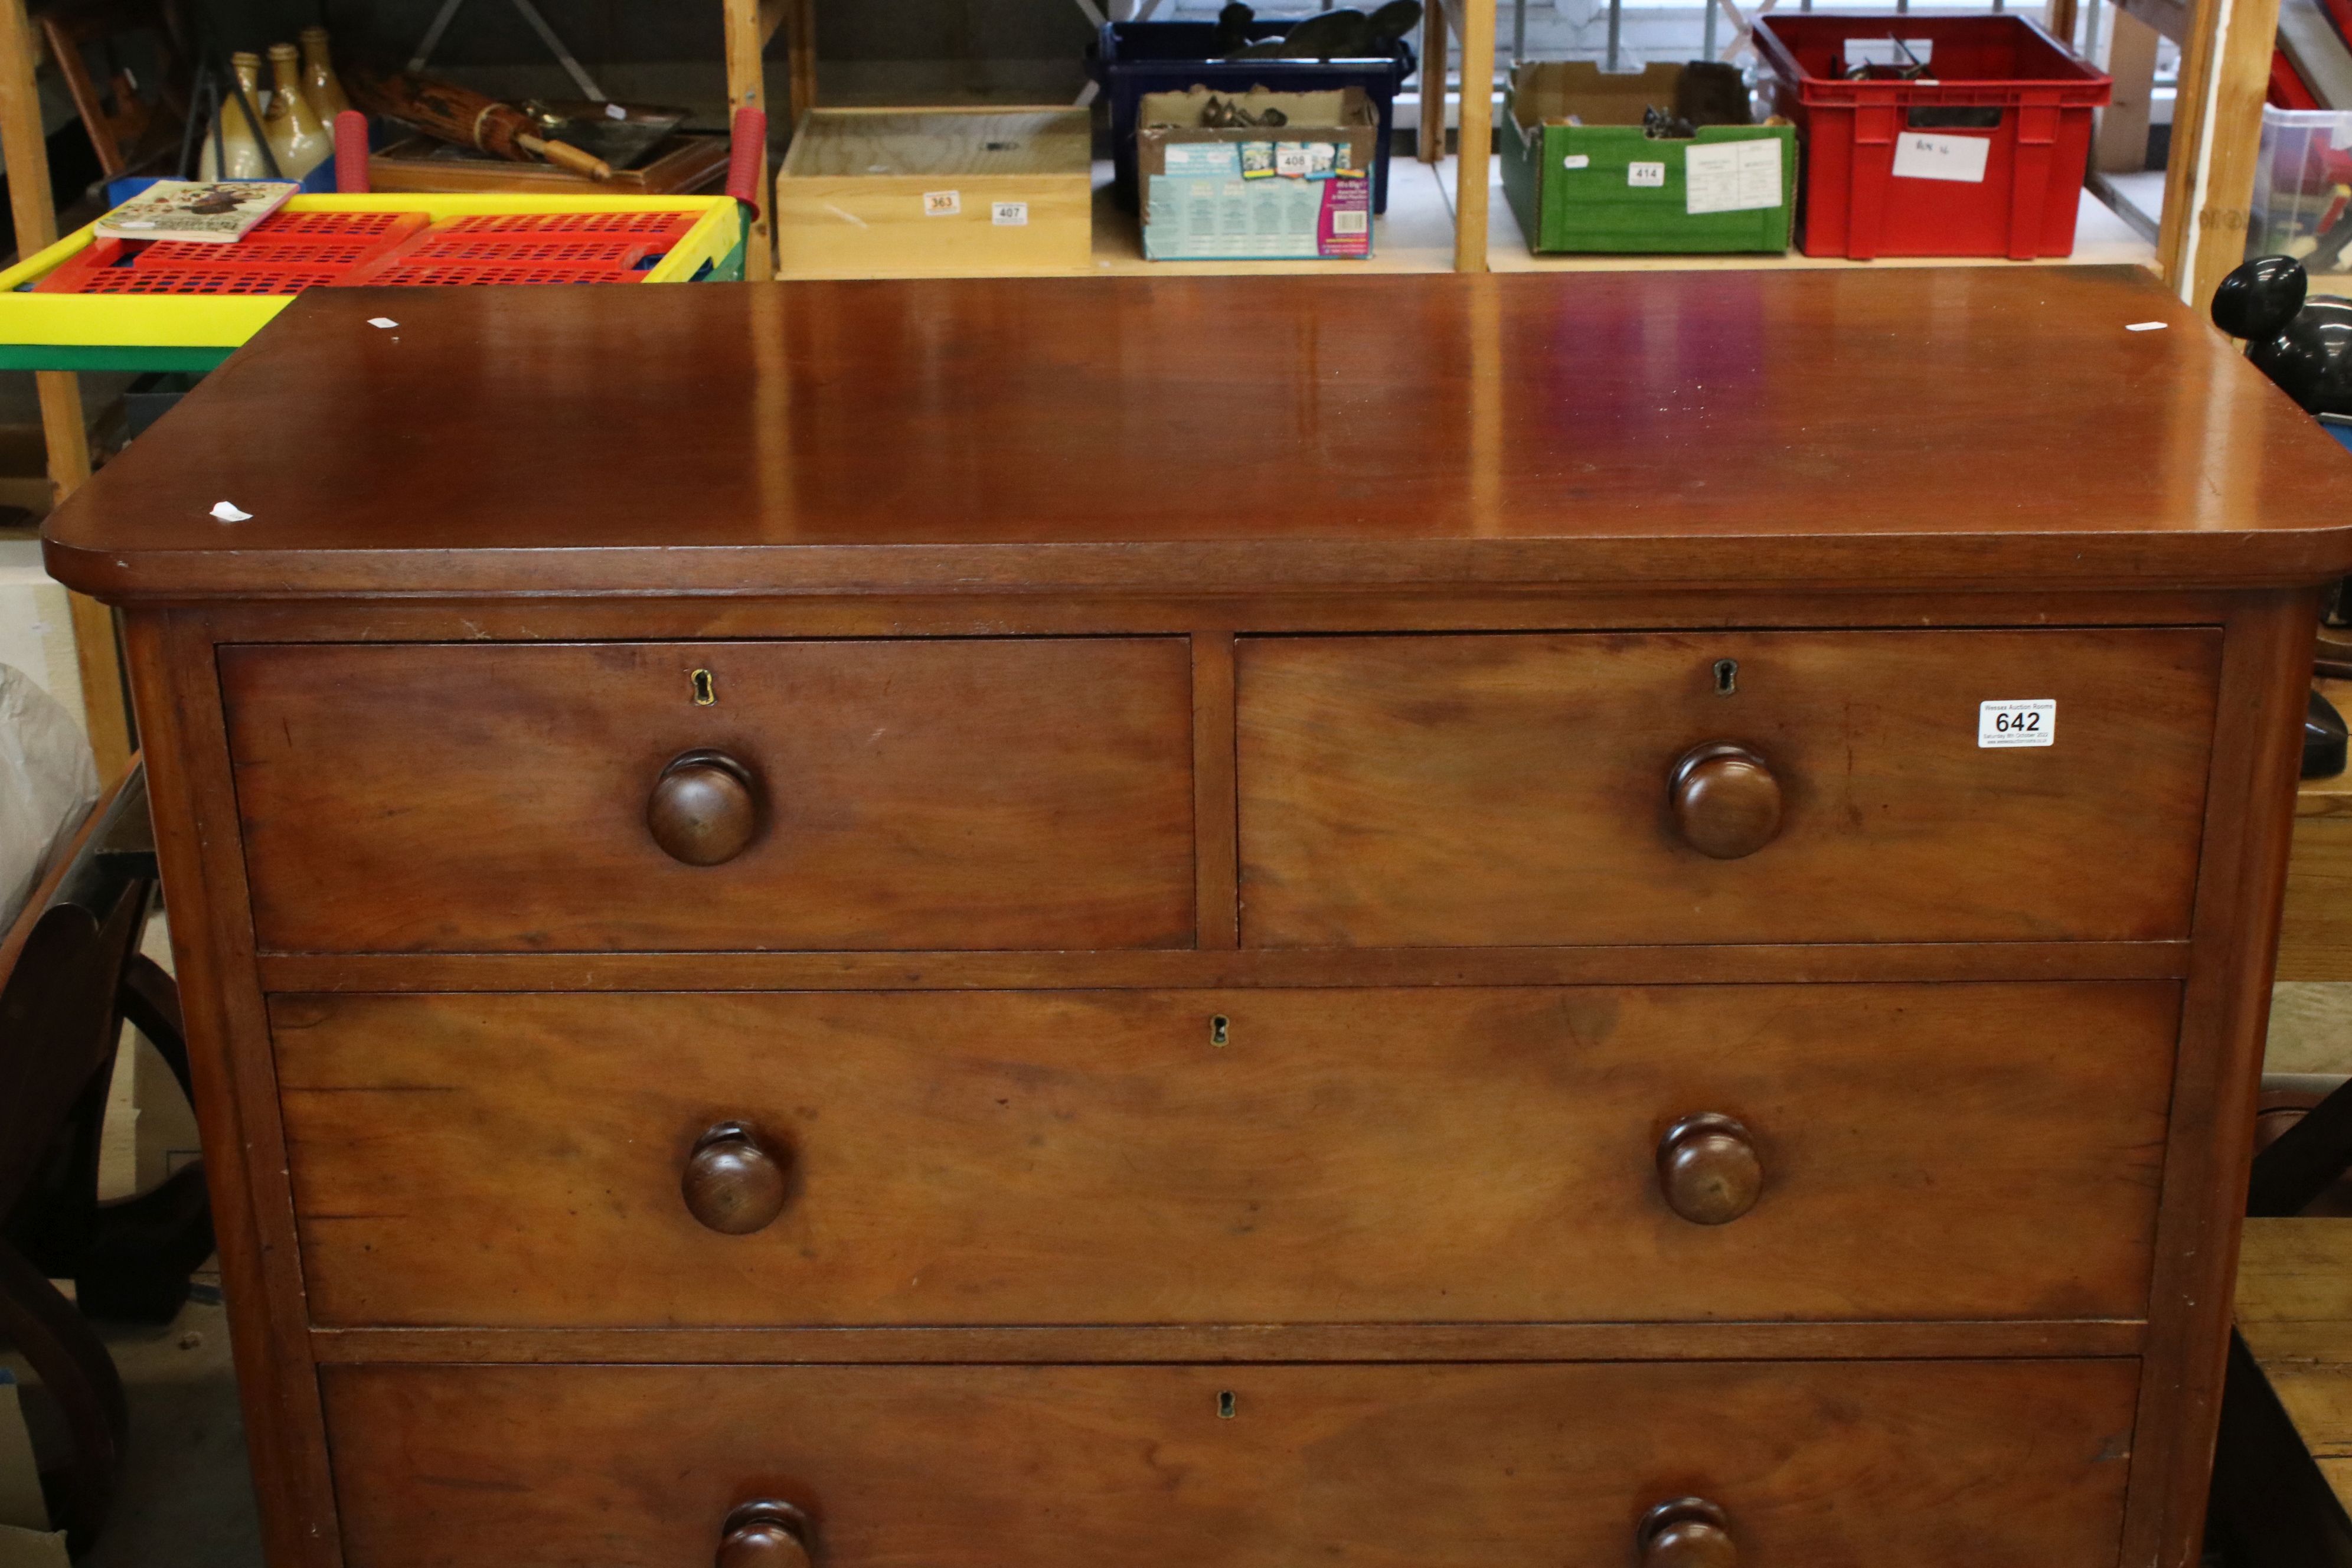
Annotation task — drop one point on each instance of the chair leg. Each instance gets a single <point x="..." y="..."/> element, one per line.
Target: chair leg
<point x="77" y="1373"/>
<point x="2305" y="1161"/>
<point x="151" y="1000"/>
<point x="135" y="1263"/>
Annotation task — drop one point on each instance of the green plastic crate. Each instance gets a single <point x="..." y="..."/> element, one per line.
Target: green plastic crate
<point x="1604" y="185"/>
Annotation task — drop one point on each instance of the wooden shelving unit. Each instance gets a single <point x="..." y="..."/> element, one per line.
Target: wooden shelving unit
<point x="1429" y="229"/>
<point x="1444" y="214"/>
<point x="1459" y="35"/>
<point x="752" y="24"/>
<point x="25" y="152"/>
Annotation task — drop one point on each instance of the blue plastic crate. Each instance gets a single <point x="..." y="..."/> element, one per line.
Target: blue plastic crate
<point x="1131" y="58"/>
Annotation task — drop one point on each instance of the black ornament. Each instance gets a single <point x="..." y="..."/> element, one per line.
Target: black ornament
<point x="2300" y="341"/>
<point x="1344" y="32"/>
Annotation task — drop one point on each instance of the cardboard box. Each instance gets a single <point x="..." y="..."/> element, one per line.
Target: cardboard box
<point x="1582" y="175"/>
<point x="1300" y="190"/>
<point x="937" y="192"/>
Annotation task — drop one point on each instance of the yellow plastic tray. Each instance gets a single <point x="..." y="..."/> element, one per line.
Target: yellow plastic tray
<point x="225" y="321"/>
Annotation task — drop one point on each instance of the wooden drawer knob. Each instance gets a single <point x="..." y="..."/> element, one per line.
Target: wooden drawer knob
<point x="765" y="1535"/>
<point x="1726" y="802"/>
<point x="732" y="1184"/>
<point x="704" y="809"/>
<point x="1690" y="1532"/>
<point x="1707" y="1169"/>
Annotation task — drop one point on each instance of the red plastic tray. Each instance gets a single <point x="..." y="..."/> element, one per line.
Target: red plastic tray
<point x="349" y="252"/>
<point x="1999" y="78"/>
<point x="283" y="243"/>
<point x="288" y="225"/>
<point x="287" y="252"/>
<point x="403" y="273"/>
<point x="670" y="225"/>
<point x="530" y="248"/>
<point x="222" y="280"/>
<point x="606" y="252"/>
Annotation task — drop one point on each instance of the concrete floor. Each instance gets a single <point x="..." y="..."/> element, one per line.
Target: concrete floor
<point x="185" y="1498"/>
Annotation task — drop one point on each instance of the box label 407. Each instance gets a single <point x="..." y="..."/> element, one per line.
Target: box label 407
<point x="2028" y="724"/>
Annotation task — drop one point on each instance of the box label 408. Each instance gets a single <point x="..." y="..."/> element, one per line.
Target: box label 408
<point x="2034" y="722"/>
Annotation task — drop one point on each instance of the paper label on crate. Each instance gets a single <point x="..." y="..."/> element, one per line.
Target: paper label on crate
<point x="1009" y="215"/>
<point x="1883" y="52"/>
<point x="942" y="204"/>
<point x="1920" y="156"/>
<point x="1732" y="176"/>
<point x="1576" y="161"/>
<point x="1646" y="174"/>
<point x="2033" y="721"/>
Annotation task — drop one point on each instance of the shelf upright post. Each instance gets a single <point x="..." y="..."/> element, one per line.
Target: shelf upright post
<point x="26" y="155"/>
<point x="2217" y="131"/>
<point x="749" y="24"/>
<point x="1475" y="139"/>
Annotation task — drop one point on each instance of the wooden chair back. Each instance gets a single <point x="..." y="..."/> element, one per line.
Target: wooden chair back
<point x="133" y="124"/>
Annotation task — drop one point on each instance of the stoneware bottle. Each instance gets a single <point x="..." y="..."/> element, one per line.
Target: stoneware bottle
<point x="319" y="83"/>
<point x="297" y="135"/>
<point x="239" y="157"/>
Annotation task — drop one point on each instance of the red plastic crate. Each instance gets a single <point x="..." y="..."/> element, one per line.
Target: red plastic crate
<point x="1998" y="78"/>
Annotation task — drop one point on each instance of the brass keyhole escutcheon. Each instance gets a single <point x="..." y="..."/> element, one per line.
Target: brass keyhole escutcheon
<point x="1225" y="1407"/>
<point x="1219" y="1027"/>
<point x="706" y="690"/>
<point x="1726" y="677"/>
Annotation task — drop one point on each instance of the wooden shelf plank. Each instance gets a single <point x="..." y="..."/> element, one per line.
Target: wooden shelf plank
<point x="2101" y="239"/>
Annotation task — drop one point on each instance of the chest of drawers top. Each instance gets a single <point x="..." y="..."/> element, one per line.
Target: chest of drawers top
<point x="1057" y="922"/>
<point x="1978" y="425"/>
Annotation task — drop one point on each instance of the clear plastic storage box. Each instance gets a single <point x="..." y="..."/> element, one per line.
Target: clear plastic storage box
<point x="2302" y="204"/>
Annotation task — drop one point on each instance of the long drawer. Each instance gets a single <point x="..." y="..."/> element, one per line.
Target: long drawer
<point x="983" y="793"/>
<point x="1738" y="1153"/>
<point x="1941" y="1465"/>
<point x="1721" y="787"/>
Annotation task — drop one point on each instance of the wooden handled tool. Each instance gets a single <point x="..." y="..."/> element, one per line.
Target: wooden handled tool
<point x="467" y="118"/>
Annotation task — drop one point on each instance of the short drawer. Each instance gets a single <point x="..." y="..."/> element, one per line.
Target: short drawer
<point x="1507" y="1155"/>
<point x="1522" y="790"/>
<point x="895" y="795"/>
<point x="1819" y="1464"/>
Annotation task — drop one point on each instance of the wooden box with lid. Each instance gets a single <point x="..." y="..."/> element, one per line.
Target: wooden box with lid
<point x="1209" y="925"/>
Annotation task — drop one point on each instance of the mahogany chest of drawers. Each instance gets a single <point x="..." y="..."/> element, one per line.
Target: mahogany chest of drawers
<point x="1452" y="922"/>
